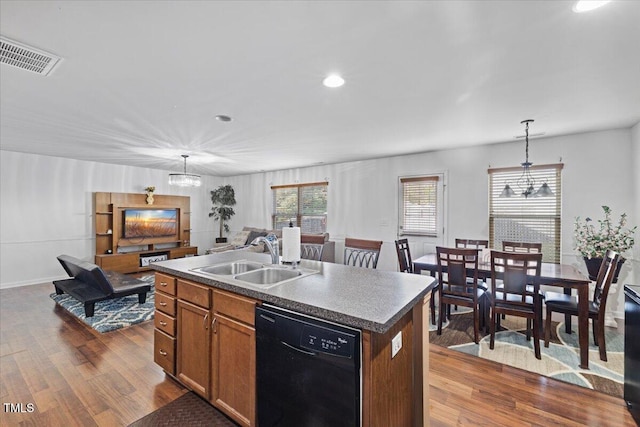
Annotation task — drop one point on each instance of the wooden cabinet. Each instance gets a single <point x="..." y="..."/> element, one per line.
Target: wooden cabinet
<point x="193" y="346"/>
<point x="164" y="344"/>
<point x="126" y="255"/>
<point x="233" y="365"/>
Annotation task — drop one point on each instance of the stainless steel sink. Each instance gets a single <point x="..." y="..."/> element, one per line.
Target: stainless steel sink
<point x="268" y="276"/>
<point x="253" y="273"/>
<point x="231" y="268"/>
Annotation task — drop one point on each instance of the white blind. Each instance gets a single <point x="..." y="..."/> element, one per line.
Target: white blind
<point x="532" y="219"/>
<point x="419" y="205"/>
<point x="305" y="205"/>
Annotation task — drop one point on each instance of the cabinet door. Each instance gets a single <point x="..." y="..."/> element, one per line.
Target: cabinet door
<point x="193" y="347"/>
<point x="233" y="388"/>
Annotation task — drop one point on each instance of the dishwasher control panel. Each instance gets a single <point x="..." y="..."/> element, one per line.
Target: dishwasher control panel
<point x="327" y="341"/>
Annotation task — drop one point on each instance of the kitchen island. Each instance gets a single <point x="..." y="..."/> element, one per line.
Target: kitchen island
<point x="205" y="336"/>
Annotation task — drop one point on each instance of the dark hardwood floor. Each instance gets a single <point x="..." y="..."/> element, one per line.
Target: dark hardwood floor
<point x="74" y="376"/>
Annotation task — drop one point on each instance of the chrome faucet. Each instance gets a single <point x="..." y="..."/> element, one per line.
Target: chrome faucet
<point x="271" y="241"/>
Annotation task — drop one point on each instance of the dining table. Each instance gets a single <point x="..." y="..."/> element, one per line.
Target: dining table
<point x="565" y="276"/>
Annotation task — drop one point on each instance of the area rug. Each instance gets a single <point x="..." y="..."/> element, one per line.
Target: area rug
<point x="112" y="314"/>
<point x="560" y="360"/>
<point x="188" y="410"/>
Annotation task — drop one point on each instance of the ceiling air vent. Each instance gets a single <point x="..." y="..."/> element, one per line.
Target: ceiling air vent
<point x="26" y="57"/>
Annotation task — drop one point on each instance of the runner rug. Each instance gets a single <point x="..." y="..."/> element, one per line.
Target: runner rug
<point x="560" y="361"/>
<point x="112" y="314"/>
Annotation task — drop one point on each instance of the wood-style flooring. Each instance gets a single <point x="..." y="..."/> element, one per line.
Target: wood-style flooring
<point x="55" y="371"/>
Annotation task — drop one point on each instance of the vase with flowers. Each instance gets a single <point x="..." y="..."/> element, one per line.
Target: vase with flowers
<point x="149" y="190"/>
<point x="593" y="241"/>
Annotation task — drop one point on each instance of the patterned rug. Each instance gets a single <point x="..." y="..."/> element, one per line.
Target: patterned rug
<point x="560" y="360"/>
<point x="112" y="314"/>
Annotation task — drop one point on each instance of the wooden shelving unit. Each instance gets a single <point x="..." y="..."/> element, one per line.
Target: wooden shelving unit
<point x="113" y="250"/>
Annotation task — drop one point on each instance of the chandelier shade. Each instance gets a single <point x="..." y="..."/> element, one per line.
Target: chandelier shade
<point x="185" y="179"/>
<point x="526" y="184"/>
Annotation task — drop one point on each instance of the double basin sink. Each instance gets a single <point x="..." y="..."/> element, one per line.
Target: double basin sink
<point x="264" y="276"/>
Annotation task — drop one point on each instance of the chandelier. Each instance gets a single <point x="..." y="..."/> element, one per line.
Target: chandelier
<point x="526" y="183"/>
<point x="185" y="179"/>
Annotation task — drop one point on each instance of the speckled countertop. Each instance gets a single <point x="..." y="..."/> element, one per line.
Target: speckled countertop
<point x="359" y="297"/>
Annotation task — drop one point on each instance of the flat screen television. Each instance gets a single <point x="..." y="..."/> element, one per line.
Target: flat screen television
<point x="145" y="223"/>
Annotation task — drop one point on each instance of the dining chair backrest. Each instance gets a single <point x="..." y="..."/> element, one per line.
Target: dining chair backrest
<point x="311" y="251"/>
<point x="522" y="247"/>
<point x="454" y="267"/>
<point x="514" y="273"/>
<point x="472" y="243"/>
<point x="605" y="278"/>
<point x="362" y="253"/>
<point x="311" y="246"/>
<point x="404" y="256"/>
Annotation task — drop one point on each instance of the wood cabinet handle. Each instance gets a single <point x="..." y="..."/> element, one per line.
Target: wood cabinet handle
<point x="213" y="322"/>
<point x="205" y="323"/>
<point x="163" y="323"/>
<point x="162" y="303"/>
<point x="163" y="283"/>
<point x="162" y="352"/>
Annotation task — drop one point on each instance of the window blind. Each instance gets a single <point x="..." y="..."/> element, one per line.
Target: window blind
<point x="532" y="219"/>
<point x="305" y="205"/>
<point x="419" y="205"/>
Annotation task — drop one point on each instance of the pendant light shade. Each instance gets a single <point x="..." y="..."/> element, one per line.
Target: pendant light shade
<point x="185" y="179"/>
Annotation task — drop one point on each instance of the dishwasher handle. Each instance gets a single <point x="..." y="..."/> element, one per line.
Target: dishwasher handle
<point x="310" y="353"/>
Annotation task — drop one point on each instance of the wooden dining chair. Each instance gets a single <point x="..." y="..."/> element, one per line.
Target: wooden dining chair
<point x="472" y="244"/>
<point x="454" y="267"/>
<point x="522" y="247"/>
<point x="362" y="253"/>
<point x="311" y="247"/>
<point x="568" y="304"/>
<point x="515" y="291"/>
<point x="406" y="266"/>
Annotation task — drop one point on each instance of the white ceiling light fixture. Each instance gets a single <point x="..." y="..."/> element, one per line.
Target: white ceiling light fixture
<point x="185" y="179"/>
<point x="333" y="81"/>
<point x="588" y="5"/>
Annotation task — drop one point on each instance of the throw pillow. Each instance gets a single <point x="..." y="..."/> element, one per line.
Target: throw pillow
<point x="240" y="239"/>
<point x="253" y="235"/>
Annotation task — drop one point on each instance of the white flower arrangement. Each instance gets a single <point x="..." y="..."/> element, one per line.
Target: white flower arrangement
<point x="593" y="243"/>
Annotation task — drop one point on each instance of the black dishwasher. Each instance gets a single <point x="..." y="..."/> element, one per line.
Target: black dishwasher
<point x="307" y="370"/>
<point x="632" y="349"/>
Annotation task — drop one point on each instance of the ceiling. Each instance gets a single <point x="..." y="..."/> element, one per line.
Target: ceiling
<point x="142" y="81"/>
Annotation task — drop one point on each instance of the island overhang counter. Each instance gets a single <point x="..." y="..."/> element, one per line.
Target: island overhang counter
<point x="384" y="305"/>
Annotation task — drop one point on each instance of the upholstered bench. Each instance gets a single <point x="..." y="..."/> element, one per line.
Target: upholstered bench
<point x="90" y="284"/>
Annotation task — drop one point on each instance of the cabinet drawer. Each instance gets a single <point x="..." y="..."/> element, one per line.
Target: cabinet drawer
<point x="165" y="303"/>
<point x="235" y="306"/>
<point x="165" y="323"/>
<point x="194" y="293"/>
<point x="166" y="284"/>
<point x="164" y="351"/>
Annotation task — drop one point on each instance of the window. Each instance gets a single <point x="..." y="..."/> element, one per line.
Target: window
<point x="419" y="205"/>
<point x="305" y="205"/>
<point x="533" y="219"/>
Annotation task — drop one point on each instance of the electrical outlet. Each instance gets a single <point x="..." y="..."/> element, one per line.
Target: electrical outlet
<point x="396" y="344"/>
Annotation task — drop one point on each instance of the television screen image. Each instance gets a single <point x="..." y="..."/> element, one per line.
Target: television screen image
<point x="139" y="223"/>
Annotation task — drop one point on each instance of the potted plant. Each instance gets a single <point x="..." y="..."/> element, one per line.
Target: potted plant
<point x="592" y="242"/>
<point x="149" y="190"/>
<point x="223" y="198"/>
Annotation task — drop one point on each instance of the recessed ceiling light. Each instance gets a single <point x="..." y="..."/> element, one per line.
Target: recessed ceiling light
<point x="587" y="5"/>
<point x="333" y="80"/>
<point x="223" y="118"/>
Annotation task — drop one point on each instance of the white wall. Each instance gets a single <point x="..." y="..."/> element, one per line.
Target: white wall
<point x="46" y="208"/>
<point x="363" y="195"/>
<point x="46" y="203"/>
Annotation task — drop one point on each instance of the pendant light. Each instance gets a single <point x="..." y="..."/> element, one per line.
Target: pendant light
<point x="185" y="179"/>
<point x="526" y="183"/>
